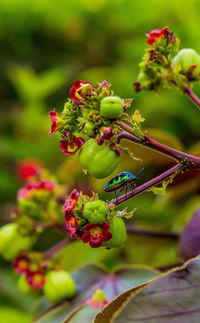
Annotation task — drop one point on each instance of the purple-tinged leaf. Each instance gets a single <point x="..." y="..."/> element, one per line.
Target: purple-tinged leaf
<point x="189" y="245"/>
<point x="88" y="280"/>
<point x="173" y="297"/>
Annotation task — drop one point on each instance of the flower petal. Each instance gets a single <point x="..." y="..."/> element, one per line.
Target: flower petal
<point x="95" y="242"/>
<point x="86" y="237"/>
<point x="91" y="226"/>
<point x="106" y="235"/>
<point x="75" y="194"/>
<point x="54" y="119"/>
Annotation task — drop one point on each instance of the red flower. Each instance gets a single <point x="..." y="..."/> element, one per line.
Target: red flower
<point x="21" y="264"/>
<point x="79" y="90"/>
<point x="71" y="225"/>
<point x="28" y="169"/>
<point x="46" y="185"/>
<point x="155" y="34"/>
<point x="95" y="234"/>
<point x="69" y="148"/>
<point x="54" y="119"/>
<point x="35" y="279"/>
<point x="27" y="191"/>
<point x="70" y="203"/>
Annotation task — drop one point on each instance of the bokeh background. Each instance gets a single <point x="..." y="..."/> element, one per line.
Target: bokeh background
<point x="45" y="47"/>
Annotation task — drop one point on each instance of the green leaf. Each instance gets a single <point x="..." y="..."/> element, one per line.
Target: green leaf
<point x="173" y="297"/>
<point x="159" y="190"/>
<point x="34" y="88"/>
<point x="88" y="280"/>
<point x="9" y="314"/>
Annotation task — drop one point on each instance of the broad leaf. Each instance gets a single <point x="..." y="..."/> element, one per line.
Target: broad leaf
<point x="88" y="280"/>
<point x="173" y="297"/>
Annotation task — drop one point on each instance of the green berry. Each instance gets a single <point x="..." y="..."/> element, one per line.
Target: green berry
<point x="111" y="107"/>
<point x="187" y="57"/>
<point x="88" y="128"/>
<point x="12" y="242"/>
<point x="59" y="285"/>
<point x="95" y="212"/>
<point x="24" y="287"/>
<point x="99" y="160"/>
<point x="118" y="230"/>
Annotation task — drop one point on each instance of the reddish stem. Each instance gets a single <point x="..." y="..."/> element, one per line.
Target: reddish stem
<point x="153" y="144"/>
<point x="154" y="181"/>
<point x="135" y="230"/>
<point x="186" y="161"/>
<point x="192" y="96"/>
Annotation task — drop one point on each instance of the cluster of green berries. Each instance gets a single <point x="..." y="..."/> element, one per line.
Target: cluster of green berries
<point x="163" y="62"/>
<point x="89" y="123"/>
<point x="93" y="221"/>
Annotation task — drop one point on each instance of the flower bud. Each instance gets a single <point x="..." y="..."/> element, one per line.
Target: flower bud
<point x="98" y="300"/>
<point x="187" y="58"/>
<point x="12" y="242"/>
<point x="59" y="285"/>
<point x="189" y="245"/>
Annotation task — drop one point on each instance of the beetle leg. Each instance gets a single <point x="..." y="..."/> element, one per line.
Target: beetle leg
<point x="126" y="188"/>
<point x="132" y="185"/>
<point x="119" y="193"/>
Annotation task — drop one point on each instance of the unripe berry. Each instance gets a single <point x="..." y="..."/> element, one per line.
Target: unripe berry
<point x="111" y="107"/>
<point x="88" y="128"/>
<point x="187" y="57"/>
<point x="95" y="211"/>
<point x="99" y="160"/>
<point x="25" y="288"/>
<point x="59" y="285"/>
<point x="12" y="242"/>
<point x="118" y="230"/>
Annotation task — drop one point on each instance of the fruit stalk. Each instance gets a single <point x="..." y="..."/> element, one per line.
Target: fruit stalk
<point x="192" y="96"/>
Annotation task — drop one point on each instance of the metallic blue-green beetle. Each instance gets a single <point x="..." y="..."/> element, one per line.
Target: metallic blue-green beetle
<point x="119" y="181"/>
<point x="122" y="180"/>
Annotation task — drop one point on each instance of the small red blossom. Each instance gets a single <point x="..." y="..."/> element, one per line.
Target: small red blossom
<point x="24" y="193"/>
<point x="106" y="135"/>
<point x="21" y="264"/>
<point x="28" y="169"/>
<point x="35" y="279"/>
<point x="70" y="203"/>
<point x="79" y="90"/>
<point x="96" y="234"/>
<point x="54" y="119"/>
<point x="155" y="34"/>
<point x="98" y="300"/>
<point x="28" y="190"/>
<point x="70" y="148"/>
<point x="47" y="185"/>
<point x="71" y="225"/>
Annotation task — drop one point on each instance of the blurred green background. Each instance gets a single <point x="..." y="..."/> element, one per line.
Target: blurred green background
<point x="45" y="47"/>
